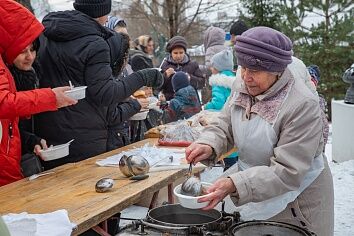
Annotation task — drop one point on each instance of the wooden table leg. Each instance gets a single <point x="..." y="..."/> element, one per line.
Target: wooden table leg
<point x="154" y="199"/>
<point x="100" y="231"/>
<point x="170" y="194"/>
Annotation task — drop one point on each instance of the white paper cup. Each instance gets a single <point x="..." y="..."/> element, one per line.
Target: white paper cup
<point x="55" y="152"/>
<point x="77" y="92"/>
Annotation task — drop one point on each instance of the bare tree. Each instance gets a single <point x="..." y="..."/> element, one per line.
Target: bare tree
<point x="175" y="17"/>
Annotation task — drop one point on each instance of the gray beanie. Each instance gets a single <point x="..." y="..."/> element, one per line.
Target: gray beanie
<point x="263" y="48"/>
<point x="223" y="60"/>
<point x="93" y="8"/>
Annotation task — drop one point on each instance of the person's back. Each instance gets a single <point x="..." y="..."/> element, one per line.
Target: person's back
<point x="74" y="48"/>
<point x="237" y="29"/>
<point x="214" y="40"/>
<point x="221" y="80"/>
<point x="185" y="103"/>
<point x="70" y="38"/>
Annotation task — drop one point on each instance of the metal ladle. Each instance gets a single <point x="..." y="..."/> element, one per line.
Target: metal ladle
<point x="105" y="184"/>
<point x="192" y="185"/>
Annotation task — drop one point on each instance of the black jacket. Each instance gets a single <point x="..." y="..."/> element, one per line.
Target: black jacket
<point x="139" y="60"/>
<point x="117" y="123"/>
<point x="74" y="48"/>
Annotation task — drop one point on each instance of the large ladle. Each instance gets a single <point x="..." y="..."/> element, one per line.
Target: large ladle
<point x="192" y="185"/>
<point x="105" y="184"/>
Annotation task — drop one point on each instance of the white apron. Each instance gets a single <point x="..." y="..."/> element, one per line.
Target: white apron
<point x="256" y="140"/>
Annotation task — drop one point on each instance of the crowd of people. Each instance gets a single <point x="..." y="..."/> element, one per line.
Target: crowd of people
<point x="267" y="100"/>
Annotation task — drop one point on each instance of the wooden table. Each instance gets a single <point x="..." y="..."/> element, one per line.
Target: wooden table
<point x="72" y="187"/>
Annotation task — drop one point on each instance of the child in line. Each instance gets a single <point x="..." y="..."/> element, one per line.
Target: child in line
<point x="221" y="79"/>
<point x="185" y="102"/>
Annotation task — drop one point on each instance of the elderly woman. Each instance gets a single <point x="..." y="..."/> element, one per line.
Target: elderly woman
<point x="275" y="122"/>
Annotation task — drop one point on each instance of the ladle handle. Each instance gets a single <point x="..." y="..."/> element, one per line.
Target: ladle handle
<point x="161" y="227"/>
<point x="190" y="170"/>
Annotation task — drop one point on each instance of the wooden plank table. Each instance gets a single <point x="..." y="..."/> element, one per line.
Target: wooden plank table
<point x="72" y="187"/>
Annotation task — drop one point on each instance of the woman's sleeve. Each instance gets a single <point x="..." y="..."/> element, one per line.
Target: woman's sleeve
<point x="123" y="111"/>
<point x="298" y="144"/>
<point x="218" y="133"/>
<point x="25" y="103"/>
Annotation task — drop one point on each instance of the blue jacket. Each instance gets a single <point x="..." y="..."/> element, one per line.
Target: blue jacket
<point x="184" y="105"/>
<point x="220" y="89"/>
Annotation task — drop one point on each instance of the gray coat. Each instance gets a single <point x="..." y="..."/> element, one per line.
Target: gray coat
<point x="294" y="114"/>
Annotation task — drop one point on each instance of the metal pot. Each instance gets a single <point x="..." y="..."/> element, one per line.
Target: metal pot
<point x="174" y="215"/>
<point x="133" y="165"/>
<point x="267" y="228"/>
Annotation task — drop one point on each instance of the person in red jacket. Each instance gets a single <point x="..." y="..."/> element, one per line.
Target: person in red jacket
<point x="18" y="29"/>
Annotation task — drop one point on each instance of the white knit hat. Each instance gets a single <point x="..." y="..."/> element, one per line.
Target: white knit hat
<point x="223" y="60"/>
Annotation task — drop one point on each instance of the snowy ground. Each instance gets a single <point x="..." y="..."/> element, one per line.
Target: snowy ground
<point x="343" y="180"/>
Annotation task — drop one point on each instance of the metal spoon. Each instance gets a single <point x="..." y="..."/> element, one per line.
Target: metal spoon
<point x="35" y="176"/>
<point x="192" y="185"/>
<point x="105" y="184"/>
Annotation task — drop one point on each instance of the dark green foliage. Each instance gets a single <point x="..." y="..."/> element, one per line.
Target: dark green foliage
<point x="328" y="44"/>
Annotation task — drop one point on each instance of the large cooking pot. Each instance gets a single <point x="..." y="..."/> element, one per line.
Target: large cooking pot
<point x="267" y="228"/>
<point x="176" y="215"/>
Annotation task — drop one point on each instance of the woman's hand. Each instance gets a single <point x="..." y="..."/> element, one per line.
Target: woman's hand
<point x="218" y="191"/>
<point x="169" y="72"/>
<point x="39" y="147"/>
<point x="197" y="152"/>
<point x="62" y="99"/>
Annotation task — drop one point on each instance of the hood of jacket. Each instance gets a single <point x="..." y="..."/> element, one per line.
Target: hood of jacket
<point x="214" y="36"/>
<point x="187" y="95"/>
<point x="70" y="25"/>
<point x="18" y="28"/>
<point x="223" y="79"/>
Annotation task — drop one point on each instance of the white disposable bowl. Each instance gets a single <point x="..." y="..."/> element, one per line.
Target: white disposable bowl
<point x="77" y="92"/>
<point x="55" y="152"/>
<point x="189" y="201"/>
<point x="140" y="116"/>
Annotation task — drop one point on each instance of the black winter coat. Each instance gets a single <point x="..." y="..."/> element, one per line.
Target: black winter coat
<point x="74" y="48"/>
<point x="191" y="67"/>
<point x="139" y="60"/>
<point x="118" y="134"/>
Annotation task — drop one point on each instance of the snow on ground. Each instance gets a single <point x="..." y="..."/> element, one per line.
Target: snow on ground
<point x="343" y="180"/>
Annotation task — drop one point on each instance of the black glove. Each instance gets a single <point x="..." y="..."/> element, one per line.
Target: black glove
<point x="152" y="77"/>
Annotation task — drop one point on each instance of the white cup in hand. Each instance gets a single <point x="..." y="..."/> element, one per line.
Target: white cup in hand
<point x="62" y="99"/>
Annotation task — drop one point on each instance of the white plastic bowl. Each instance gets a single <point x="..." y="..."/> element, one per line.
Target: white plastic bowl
<point x="55" y="152"/>
<point x="77" y="92"/>
<point x="140" y="116"/>
<point x="189" y="201"/>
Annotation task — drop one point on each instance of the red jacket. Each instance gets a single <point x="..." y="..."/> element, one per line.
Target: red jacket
<point x="18" y="28"/>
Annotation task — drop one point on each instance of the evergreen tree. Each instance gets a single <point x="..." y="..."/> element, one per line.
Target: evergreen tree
<point x="260" y="13"/>
<point x="328" y="44"/>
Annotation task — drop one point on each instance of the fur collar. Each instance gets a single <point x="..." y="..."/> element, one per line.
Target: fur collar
<point x="221" y="80"/>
